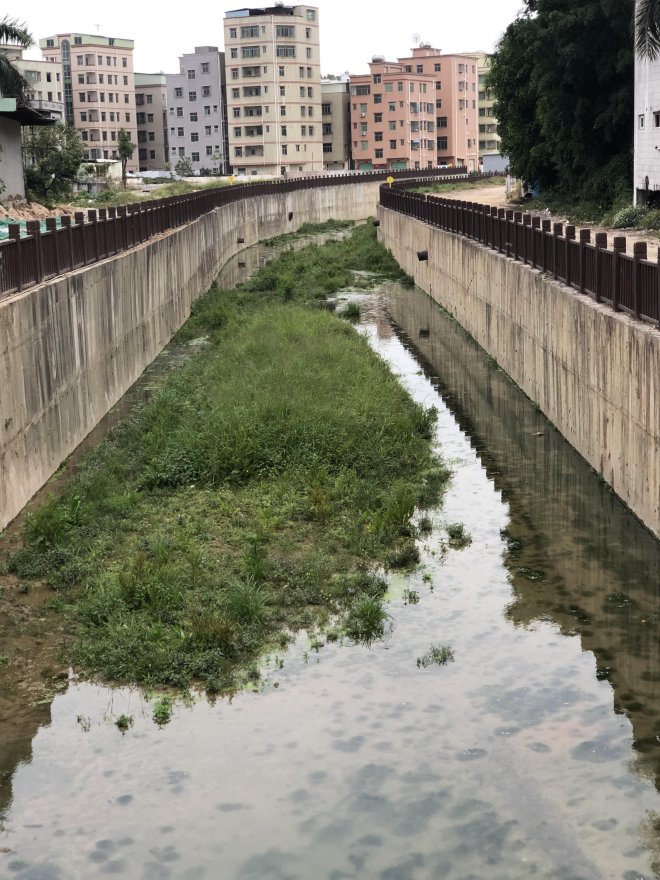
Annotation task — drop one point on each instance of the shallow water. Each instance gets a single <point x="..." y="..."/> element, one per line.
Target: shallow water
<point x="533" y="754"/>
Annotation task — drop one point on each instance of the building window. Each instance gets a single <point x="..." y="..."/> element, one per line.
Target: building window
<point x="379" y="154"/>
<point x="195" y="157"/>
<point x="286" y="31"/>
<point x="152" y="136"/>
<point x="326" y="109"/>
<point x="327" y="128"/>
<point x="327" y="148"/>
<point x="282" y="110"/>
<point x="280" y="71"/>
<point x="209" y="151"/>
<point x="191" y="74"/>
<point x="128" y="117"/>
<point x="311" y="15"/>
<point x="364" y="145"/>
<point x="206" y="91"/>
<point x="442" y="143"/>
<point x="378" y="136"/>
<point x="236" y="93"/>
<point x="303" y="130"/>
<point x="378" y="99"/>
<point x="192" y="96"/>
<point x="178" y="93"/>
<point x="237" y="112"/>
<point x="378" y="117"/>
<point x="250" y="52"/>
<point x="179" y="112"/>
<point x="308" y="52"/>
<point x="234" y="53"/>
<point x="393" y="145"/>
<point x="286" y="51"/>
<point x="437" y="67"/>
<point x="232" y="33"/>
<point x="282" y="91"/>
<point x="237" y="132"/>
<point x="193" y="117"/>
<point x="124" y="62"/>
<point x="442" y="122"/>
<point x="179" y="132"/>
<point x="194" y="136"/>
<point x="234" y="73"/>
<point x="205" y="67"/>
<point x="249" y="32"/>
<point x="641" y="120"/>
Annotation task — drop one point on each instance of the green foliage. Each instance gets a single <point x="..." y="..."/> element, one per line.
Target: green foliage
<point x="366" y="620"/>
<point x="125" y="150"/>
<point x="12" y="82"/>
<point x="184" y="167"/>
<point x="562" y="76"/>
<point x="250" y="495"/>
<point x="163" y="708"/>
<point x="52" y="155"/>
<point x="458" y="535"/>
<point x="629" y="216"/>
<point x="124" y="722"/>
<point x="437" y="655"/>
<point x="351" y="311"/>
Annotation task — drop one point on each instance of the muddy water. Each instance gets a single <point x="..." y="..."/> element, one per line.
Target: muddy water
<point x="533" y="754"/>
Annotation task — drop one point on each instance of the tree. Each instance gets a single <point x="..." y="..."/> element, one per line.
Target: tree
<point x="52" y="156"/>
<point x="125" y="152"/>
<point x="12" y="82"/>
<point x="562" y="76"/>
<point x="647" y="29"/>
<point x="184" y="167"/>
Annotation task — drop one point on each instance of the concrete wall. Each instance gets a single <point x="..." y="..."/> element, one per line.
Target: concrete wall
<point x="70" y="348"/>
<point x="594" y="373"/>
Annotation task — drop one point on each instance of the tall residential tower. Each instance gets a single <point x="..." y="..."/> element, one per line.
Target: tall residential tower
<point x="99" y="89"/>
<point x="274" y="90"/>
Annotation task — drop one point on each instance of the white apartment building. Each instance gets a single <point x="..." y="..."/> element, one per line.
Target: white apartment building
<point x="196" y="111"/>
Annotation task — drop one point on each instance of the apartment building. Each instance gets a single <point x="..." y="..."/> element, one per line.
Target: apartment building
<point x="274" y="90"/>
<point x="646" y="166"/>
<point x="336" y="123"/>
<point x="45" y="91"/>
<point x="455" y="88"/>
<point x="99" y="89"/>
<point x="197" y="111"/>
<point x="151" y="121"/>
<point x="490" y="158"/>
<point x="392" y="117"/>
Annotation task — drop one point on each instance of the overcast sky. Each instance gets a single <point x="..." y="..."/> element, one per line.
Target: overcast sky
<point x="377" y="27"/>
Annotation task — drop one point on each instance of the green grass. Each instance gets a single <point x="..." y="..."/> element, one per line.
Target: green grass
<point x="253" y="495"/>
<point x="459" y="186"/>
<point x="307" y="229"/>
<point x="437" y="655"/>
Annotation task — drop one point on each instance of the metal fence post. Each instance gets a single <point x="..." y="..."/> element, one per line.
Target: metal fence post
<point x="639" y="254"/>
<point x="556" y="232"/>
<point x="569" y="236"/>
<point x="14" y="233"/>
<point x="619" y="247"/>
<point x="51" y="229"/>
<point x="33" y="228"/>
<point x="585" y="238"/>
<point x="601" y="244"/>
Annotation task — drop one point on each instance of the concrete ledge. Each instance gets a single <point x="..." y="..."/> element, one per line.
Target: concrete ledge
<point x="70" y="348"/>
<point x="593" y="372"/>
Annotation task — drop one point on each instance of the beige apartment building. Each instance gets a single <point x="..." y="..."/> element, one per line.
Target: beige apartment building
<point x="490" y="158"/>
<point x="336" y="123"/>
<point x="273" y="77"/>
<point x="99" y="89"/>
<point x="151" y="121"/>
<point x="392" y="118"/>
<point x="45" y="86"/>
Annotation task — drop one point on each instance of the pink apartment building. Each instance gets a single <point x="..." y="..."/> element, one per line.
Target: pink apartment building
<point x="417" y="112"/>
<point x="392" y="118"/>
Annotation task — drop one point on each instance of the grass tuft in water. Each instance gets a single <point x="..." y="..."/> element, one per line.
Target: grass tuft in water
<point x="124" y="722"/>
<point x="438" y="655"/>
<point x="458" y="536"/>
<point x="162" y="711"/>
<point x="351" y="311"/>
<point x="366" y="620"/>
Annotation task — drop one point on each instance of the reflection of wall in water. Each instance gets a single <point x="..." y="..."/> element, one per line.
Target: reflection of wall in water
<point x="576" y="555"/>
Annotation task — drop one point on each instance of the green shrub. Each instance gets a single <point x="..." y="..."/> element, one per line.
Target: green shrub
<point x="628" y="217"/>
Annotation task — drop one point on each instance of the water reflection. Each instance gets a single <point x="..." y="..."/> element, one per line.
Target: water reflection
<point x="575" y="554"/>
<point x="509" y="763"/>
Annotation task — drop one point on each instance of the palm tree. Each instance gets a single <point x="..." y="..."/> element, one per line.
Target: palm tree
<point x="12" y="82"/>
<point x="647" y="29"/>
